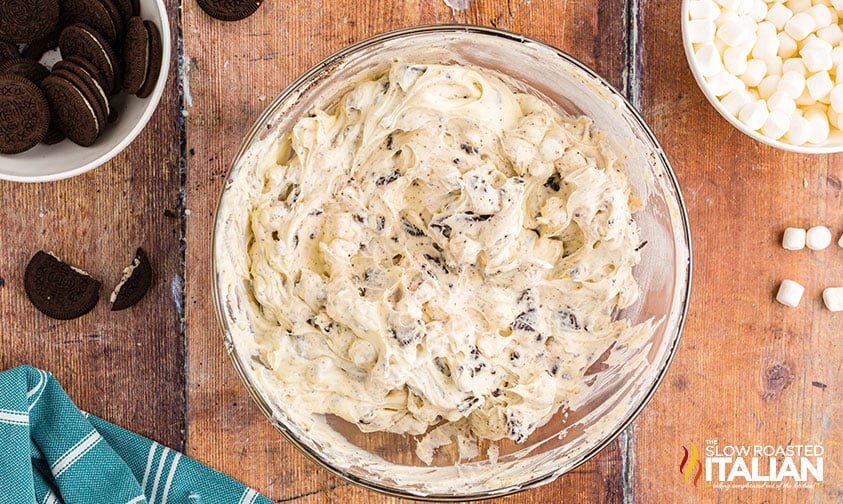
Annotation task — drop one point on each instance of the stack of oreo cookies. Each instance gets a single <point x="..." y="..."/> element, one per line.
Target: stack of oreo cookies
<point x="106" y="48"/>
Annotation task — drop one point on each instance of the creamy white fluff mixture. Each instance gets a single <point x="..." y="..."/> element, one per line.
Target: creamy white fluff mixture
<point x="438" y="249"/>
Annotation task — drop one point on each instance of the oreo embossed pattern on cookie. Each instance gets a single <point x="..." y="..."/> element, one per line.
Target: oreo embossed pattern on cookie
<point x="100" y="42"/>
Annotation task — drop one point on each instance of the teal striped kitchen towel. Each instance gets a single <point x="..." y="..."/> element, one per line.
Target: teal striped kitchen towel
<point x="51" y="452"/>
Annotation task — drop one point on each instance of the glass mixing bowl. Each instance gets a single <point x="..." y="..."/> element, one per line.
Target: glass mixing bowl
<point x="627" y="378"/>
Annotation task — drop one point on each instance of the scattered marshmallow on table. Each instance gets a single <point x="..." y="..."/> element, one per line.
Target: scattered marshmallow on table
<point x="790" y="293"/>
<point x="833" y="298"/>
<point x="840" y="242"/>
<point x="818" y="238"/>
<point x="755" y="54"/>
<point x="794" y="238"/>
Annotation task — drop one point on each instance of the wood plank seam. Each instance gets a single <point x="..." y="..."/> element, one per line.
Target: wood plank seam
<point x="631" y="81"/>
<point x="180" y="293"/>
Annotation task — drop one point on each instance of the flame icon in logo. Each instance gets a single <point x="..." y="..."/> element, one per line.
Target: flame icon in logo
<point x="691" y="464"/>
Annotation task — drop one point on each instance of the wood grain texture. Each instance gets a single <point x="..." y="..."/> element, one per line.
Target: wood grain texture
<point x="749" y="370"/>
<point x="123" y="366"/>
<point x="232" y="71"/>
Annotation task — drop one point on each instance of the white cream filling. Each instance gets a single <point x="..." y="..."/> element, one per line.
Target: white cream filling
<point x="368" y="309"/>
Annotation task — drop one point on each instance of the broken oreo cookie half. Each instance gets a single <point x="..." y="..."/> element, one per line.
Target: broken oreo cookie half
<point x="59" y="290"/>
<point x="137" y="277"/>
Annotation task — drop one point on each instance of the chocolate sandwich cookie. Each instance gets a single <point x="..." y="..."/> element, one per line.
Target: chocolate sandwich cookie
<point x="57" y="289"/>
<point x="126" y="10"/>
<point x="73" y="111"/>
<point x="91" y="13"/>
<point x="54" y="134"/>
<point x="135" y="55"/>
<point x="156" y="51"/>
<point x="22" y="21"/>
<point x="99" y="106"/>
<point x="90" y="68"/>
<point x="229" y="10"/>
<point x="81" y="40"/>
<point x="8" y="51"/>
<point x="137" y="277"/>
<point x="89" y="81"/>
<point x="116" y="19"/>
<point x="32" y="70"/>
<point x="25" y="114"/>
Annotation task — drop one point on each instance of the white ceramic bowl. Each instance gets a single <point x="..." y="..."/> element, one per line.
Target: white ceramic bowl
<point x="66" y="159"/>
<point x="375" y="460"/>
<point x="833" y="144"/>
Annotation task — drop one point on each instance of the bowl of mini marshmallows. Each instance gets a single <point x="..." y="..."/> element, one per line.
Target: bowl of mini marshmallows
<point x="770" y="67"/>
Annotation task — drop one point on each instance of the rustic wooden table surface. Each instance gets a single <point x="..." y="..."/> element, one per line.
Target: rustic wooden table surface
<point x="748" y="371"/>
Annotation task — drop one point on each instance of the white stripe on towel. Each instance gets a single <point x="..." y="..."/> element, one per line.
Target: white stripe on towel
<point x="152" y="450"/>
<point x="50" y="498"/>
<point x="34" y="389"/>
<point x="14" y="417"/>
<point x="248" y="497"/>
<point x="78" y="451"/>
<point x="170" y="478"/>
<point x="42" y="385"/>
<point x="161" y="463"/>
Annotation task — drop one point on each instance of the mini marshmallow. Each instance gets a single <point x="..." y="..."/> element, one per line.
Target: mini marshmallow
<point x="782" y="102"/>
<point x="766" y="29"/>
<point x="758" y="11"/>
<point x="797" y="5"/>
<point x="790" y="293"/>
<point x="831" y="34"/>
<point x="819" y="85"/>
<point x="837" y="4"/>
<point x="837" y="57"/>
<point x="756" y="69"/>
<point x="701" y="31"/>
<point x="774" y="66"/>
<point x="793" y="239"/>
<point x="840" y="242"/>
<point x="787" y="46"/>
<point x="791" y="83"/>
<point x="818" y="126"/>
<point x="800" y="25"/>
<point x="768" y="86"/>
<point x="776" y="125"/>
<point x="708" y="59"/>
<point x="743" y="7"/>
<point x="754" y="114"/>
<point x="834" y="118"/>
<point x="816" y="55"/>
<point x="836" y="96"/>
<point x="833" y="298"/>
<point x="778" y="14"/>
<point x="733" y="102"/>
<point x="799" y="131"/>
<point x="733" y="33"/>
<point x="723" y="82"/>
<point x="735" y="60"/>
<point x="726" y="16"/>
<point x="766" y="47"/>
<point x="730" y="5"/>
<point x="794" y="65"/>
<point x="703" y="9"/>
<point x="818" y="238"/>
<point x="821" y="15"/>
